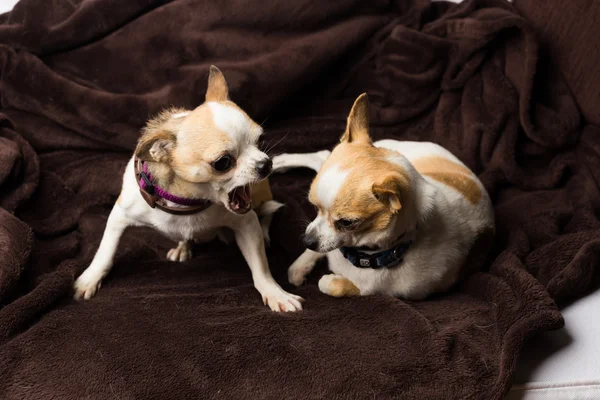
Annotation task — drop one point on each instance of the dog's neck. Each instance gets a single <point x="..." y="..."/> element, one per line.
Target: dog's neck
<point x="164" y="176"/>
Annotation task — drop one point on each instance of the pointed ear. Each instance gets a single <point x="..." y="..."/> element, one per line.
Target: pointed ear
<point x="357" y="128"/>
<point x="217" y="86"/>
<point x="156" y="146"/>
<point x="389" y="191"/>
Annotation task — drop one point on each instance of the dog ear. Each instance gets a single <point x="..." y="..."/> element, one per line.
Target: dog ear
<point x="357" y="127"/>
<point x="217" y="86"/>
<point x="155" y="146"/>
<point x="391" y="191"/>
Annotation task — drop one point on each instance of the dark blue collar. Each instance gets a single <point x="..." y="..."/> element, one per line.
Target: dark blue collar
<point x="383" y="259"/>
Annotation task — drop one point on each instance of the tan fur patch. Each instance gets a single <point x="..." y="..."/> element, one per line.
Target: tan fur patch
<point x="342" y="287"/>
<point x="217" y="86"/>
<point x="438" y="164"/>
<point x="163" y="120"/>
<point x="145" y="149"/>
<point x="463" y="184"/>
<point x="357" y="126"/>
<point x="388" y="189"/>
<point x="356" y="199"/>
<point x="200" y="139"/>
<point x="451" y="174"/>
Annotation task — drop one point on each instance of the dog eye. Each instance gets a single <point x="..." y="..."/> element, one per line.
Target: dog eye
<point x="223" y="164"/>
<point x="344" y="223"/>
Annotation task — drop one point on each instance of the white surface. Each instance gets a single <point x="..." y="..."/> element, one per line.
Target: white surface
<point x="7" y="5"/>
<point x="564" y="364"/>
<point x="583" y="390"/>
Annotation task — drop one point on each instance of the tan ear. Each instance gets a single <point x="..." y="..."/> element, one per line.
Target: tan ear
<point x="357" y="127"/>
<point x="155" y="146"/>
<point x="389" y="191"/>
<point x="217" y="86"/>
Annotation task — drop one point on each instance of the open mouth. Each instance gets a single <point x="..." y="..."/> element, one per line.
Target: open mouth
<point x="240" y="201"/>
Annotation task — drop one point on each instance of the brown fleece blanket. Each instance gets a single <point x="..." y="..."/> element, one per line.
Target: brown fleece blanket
<point x="78" y="80"/>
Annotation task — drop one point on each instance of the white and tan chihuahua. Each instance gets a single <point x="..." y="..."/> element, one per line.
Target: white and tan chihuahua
<point x="394" y="218"/>
<point x="190" y="178"/>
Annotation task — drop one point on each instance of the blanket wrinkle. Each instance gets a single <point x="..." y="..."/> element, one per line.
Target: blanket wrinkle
<point x="80" y="78"/>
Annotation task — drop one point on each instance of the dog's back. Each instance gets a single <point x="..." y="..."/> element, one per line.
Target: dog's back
<point x="444" y="170"/>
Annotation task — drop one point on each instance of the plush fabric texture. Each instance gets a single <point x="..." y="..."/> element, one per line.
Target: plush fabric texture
<point x="560" y="26"/>
<point x="80" y="78"/>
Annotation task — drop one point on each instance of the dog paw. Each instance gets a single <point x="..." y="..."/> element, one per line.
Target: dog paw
<point x="86" y="287"/>
<point x="279" y="300"/>
<point x="300" y="269"/>
<point x="325" y="282"/>
<point x="297" y="274"/>
<point x="181" y="253"/>
<point x="337" y="286"/>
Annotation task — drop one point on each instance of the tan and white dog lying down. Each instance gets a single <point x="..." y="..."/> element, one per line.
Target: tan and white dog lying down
<point x="395" y="218"/>
<point x="190" y="178"/>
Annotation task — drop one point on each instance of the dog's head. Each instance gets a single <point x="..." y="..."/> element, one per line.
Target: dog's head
<point x="361" y="193"/>
<point x="211" y="152"/>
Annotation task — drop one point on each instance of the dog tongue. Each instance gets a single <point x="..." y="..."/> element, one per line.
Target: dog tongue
<point x="244" y="194"/>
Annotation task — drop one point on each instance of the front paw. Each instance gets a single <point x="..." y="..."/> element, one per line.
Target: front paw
<point x="279" y="300"/>
<point x="86" y="286"/>
<point x="299" y="269"/>
<point x="181" y="253"/>
<point x="297" y="273"/>
<point x="338" y="286"/>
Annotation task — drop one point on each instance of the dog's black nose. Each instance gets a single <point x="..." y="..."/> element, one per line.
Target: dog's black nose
<point x="264" y="167"/>
<point x="310" y="242"/>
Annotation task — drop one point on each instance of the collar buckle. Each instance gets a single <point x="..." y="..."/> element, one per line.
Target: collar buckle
<point x="149" y="186"/>
<point x="365" y="262"/>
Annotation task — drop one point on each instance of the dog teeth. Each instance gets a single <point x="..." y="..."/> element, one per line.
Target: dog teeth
<point x="240" y="200"/>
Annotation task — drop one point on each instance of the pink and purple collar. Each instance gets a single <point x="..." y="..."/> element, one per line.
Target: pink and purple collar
<point x="157" y="197"/>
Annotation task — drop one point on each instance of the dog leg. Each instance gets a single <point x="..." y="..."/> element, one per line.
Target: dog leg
<point x="314" y="161"/>
<point x="182" y="252"/>
<point x="265" y="213"/>
<point x="303" y="266"/>
<point x="249" y="238"/>
<point x="90" y="280"/>
<point x="337" y="286"/>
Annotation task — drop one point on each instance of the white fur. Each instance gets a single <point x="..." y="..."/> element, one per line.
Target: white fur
<point x="323" y="231"/>
<point x="327" y="189"/>
<point x="132" y="210"/>
<point x="233" y="122"/>
<point x="313" y="161"/>
<point x="302" y="266"/>
<point x="330" y="184"/>
<point x="448" y="224"/>
<point x="180" y="115"/>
